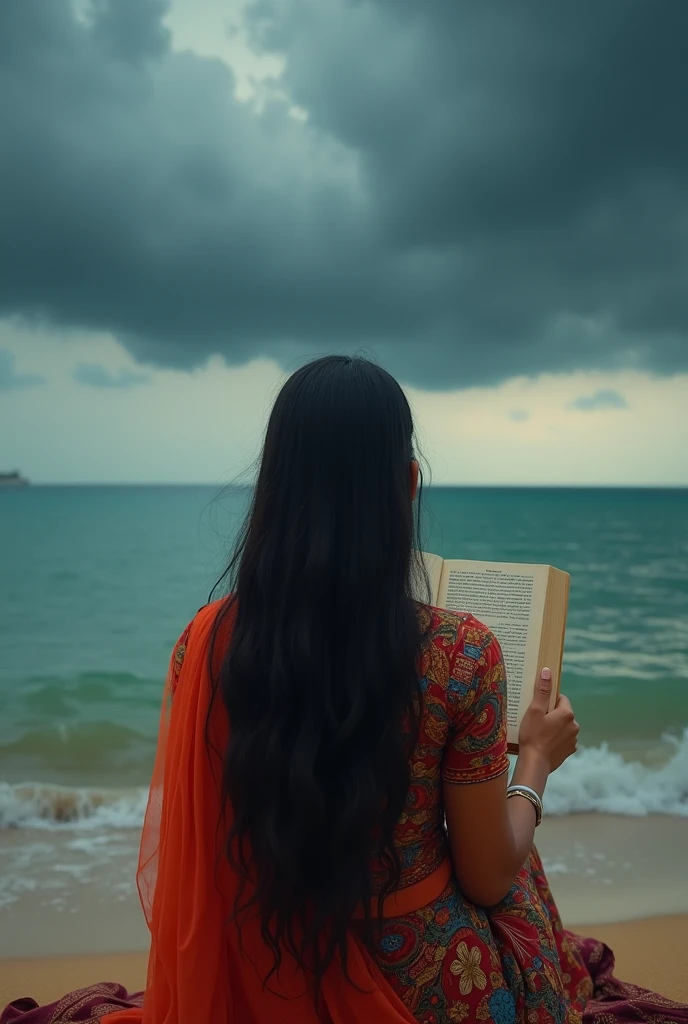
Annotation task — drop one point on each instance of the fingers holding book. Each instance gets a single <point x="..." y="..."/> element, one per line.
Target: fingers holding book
<point x="549" y="735"/>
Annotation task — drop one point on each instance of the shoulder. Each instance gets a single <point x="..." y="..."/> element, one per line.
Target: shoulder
<point x="459" y="631"/>
<point x="202" y="622"/>
<point x="205" y="618"/>
<point x="197" y="631"/>
<point x="458" y="649"/>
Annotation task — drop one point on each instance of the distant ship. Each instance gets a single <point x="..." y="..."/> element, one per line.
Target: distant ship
<point x="13" y="480"/>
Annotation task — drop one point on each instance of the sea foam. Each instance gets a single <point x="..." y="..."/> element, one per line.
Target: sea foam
<point x="597" y="779"/>
<point x="38" y="805"/>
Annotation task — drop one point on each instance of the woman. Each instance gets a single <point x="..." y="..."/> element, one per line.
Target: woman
<point x="318" y="726"/>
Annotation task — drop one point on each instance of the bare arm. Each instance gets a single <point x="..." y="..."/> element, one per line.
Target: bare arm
<point x="490" y="837"/>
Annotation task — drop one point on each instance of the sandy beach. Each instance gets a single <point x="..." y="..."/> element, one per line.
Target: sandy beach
<point x="623" y="880"/>
<point x="651" y="953"/>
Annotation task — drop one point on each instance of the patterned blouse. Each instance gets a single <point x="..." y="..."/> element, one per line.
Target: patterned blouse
<point x="453" y="961"/>
<point x="462" y="737"/>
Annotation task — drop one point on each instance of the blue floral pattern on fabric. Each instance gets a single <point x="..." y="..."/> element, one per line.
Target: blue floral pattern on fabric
<point x="391" y="943"/>
<point x="502" y="1006"/>
<point x="453" y="961"/>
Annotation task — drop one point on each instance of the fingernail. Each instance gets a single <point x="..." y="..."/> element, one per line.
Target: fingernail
<point x="546" y="674"/>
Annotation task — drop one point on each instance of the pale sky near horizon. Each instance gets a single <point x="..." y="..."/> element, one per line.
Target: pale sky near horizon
<point x="82" y="403"/>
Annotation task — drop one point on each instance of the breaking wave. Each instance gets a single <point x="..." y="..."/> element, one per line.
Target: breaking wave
<point x="597" y="779"/>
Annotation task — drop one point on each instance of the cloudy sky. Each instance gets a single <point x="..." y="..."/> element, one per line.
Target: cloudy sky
<point x="490" y="198"/>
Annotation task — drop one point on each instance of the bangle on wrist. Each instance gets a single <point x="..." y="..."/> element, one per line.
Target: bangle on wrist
<point x="528" y="794"/>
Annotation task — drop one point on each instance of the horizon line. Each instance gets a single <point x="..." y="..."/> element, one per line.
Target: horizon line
<point x="430" y="486"/>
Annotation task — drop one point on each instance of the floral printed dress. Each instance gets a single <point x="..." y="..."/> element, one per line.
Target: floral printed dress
<point x="453" y="961"/>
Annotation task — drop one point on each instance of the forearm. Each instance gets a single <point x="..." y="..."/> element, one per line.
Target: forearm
<point x="532" y="771"/>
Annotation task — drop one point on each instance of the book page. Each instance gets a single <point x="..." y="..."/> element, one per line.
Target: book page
<point x="509" y="598"/>
<point x="433" y="567"/>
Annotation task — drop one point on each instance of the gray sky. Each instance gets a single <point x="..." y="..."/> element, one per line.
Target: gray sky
<point x="489" y="198"/>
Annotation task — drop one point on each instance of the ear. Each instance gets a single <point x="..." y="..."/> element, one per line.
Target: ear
<point x="415" y="469"/>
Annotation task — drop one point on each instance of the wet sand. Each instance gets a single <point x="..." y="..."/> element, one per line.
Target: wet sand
<point x="623" y="880"/>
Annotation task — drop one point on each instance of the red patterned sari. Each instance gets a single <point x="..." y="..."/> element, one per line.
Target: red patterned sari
<point x="440" y="960"/>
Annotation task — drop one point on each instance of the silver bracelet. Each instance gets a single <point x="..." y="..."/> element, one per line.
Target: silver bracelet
<point x="529" y="794"/>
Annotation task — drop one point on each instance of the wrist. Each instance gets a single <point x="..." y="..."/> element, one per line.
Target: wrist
<point x="532" y="769"/>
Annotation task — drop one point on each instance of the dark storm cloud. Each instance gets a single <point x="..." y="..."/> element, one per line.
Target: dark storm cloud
<point x="481" y="189"/>
<point x="129" y="30"/>
<point x="10" y="380"/>
<point x="605" y="398"/>
<point x="94" y="375"/>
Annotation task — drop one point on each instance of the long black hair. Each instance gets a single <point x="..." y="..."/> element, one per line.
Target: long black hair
<point x="320" y="677"/>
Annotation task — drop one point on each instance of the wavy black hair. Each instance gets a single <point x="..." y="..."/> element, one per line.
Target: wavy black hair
<point x="320" y="678"/>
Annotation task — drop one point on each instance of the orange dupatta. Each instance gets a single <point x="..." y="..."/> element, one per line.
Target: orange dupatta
<point x="197" y="972"/>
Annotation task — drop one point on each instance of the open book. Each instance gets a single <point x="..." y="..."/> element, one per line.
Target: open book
<point x="523" y="605"/>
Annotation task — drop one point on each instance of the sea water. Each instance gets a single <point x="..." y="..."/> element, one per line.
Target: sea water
<point x="96" y="584"/>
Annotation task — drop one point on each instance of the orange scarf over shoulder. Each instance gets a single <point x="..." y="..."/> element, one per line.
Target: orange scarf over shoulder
<point x="197" y="972"/>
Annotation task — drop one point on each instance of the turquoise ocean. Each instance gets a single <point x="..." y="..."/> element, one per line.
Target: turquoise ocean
<point x="96" y="584"/>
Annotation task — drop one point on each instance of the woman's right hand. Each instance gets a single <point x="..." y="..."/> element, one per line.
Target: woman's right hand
<point x="551" y="735"/>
